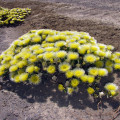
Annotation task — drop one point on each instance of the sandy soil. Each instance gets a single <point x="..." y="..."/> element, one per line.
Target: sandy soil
<point x="45" y="102"/>
<point x="105" y="11"/>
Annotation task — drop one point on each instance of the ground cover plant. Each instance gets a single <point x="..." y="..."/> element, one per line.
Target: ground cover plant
<point x="76" y="55"/>
<point x="12" y="16"/>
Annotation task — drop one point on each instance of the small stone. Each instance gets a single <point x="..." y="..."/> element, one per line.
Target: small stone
<point x="54" y="78"/>
<point x="101" y="94"/>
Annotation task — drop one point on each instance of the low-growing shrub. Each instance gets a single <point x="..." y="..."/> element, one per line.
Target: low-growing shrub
<point x="76" y="55"/>
<point x="12" y="16"/>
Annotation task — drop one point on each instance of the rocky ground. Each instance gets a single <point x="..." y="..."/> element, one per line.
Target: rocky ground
<point x="44" y="102"/>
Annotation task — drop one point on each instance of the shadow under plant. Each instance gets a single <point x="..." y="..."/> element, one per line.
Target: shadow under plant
<point x="48" y="89"/>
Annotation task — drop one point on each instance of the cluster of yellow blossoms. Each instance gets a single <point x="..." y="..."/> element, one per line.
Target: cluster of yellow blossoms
<point x="74" y="54"/>
<point x="11" y="16"/>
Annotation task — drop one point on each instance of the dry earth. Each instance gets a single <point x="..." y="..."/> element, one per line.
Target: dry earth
<point x="44" y="102"/>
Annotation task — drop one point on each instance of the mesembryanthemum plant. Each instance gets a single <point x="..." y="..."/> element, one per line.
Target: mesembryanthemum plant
<point x="77" y="55"/>
<point x="12" y="16"/>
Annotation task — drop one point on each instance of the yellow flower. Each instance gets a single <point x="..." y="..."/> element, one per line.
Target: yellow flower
<point x="30" y="69"/>
<point x="72" y="40"/>
<point x="51" y="69"/>
<point x="34" y="47"/>
<point x="99" y="63"/>
<point x="56" y="49"/>
<point x="23" y="77"/>
<point x="39" y="51"/>
<point x="50" y="44"/>
<point x="20" y="43"/>
<point x="101" y="53"/>
<point x="8" y="58"/>
<point x="39" y="32"/>
<point x="36" y="69"/>
<point x="13" y="62"/>
<point x="70" y="90"/>
<point x="110" y="47"/>
<point x="49" y="49"/>
<point x="69" y="74"/>
<point x="102" y="72"/>
<point x="32" y="58"/>
<point x="78" y="72"/>
<point x="21" y="64"/>
<point x="90" y="90"/>
<point x="3" y="62"/>
<point x="60" y="87"/>
<point x="26" y="55"/>
<point x="2" y="68"/>
<point x="117" y="66"/>
<point x="61" y="54"/>
<point x="89" y="58"/>
<point x="117" y="54"/>
<point x="82" y="41"/>
<point x="7" y="65"/>
<point x="93" y="71"/>
<point x="113" y="93"/>
<point x="16" y="42"/>
<point x="10" y="52"/>
<point x="48" y="55"/>
<point x="86" y="36"/>
<point x="13" y="68"/>
<point x="32" y="31"/>
<point x="86" y="47"/>
<point x="43" y="36"/>
<point x="90" y="79"/>
<point x="56" y="37"/>
<point x="17" y="78"/>
<point x="26" y="41"/>
<point x="32" y="35"/>
<point x="113" y="57"/>
<point x="44" y="45"/>
<point x="73" y="55"/>
<point x="40" y="56"/>
<point x="81" y="50"/>
<point x="75" y="82"/>
<point x="117" y="60"/>
<point x="74" y="45"/>
<point x="63" y="37"/>
<point x="60" y="44"/>
<point x="94" y="48"/>
<point x="1" y="57"/>
<point x="63" y="67"/>
<point x="49" y="39"/>
<point x="35" y="79"/>
<point x="102" y="46"/>
<point x="46" y="32"/>
<point x="83" y="78"/>
<point x="36" y="39"/>
<point x="111" y="87"/>
<point x="26" y="49"/>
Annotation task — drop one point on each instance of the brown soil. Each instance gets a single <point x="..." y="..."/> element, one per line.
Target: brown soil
<point x="45" y="102"/>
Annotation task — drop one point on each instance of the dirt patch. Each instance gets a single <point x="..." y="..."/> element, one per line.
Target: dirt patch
<point x="44" y="102"/>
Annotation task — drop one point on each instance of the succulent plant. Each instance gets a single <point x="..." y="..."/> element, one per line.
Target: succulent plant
<point x="76" y="55"/>
<point x="12" y="16"/>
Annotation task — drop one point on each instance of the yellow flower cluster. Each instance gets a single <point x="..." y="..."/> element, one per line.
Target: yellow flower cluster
<point x="76" y="55"/>
<point x="111" y="88"/>
<point x="12" y="16"/>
